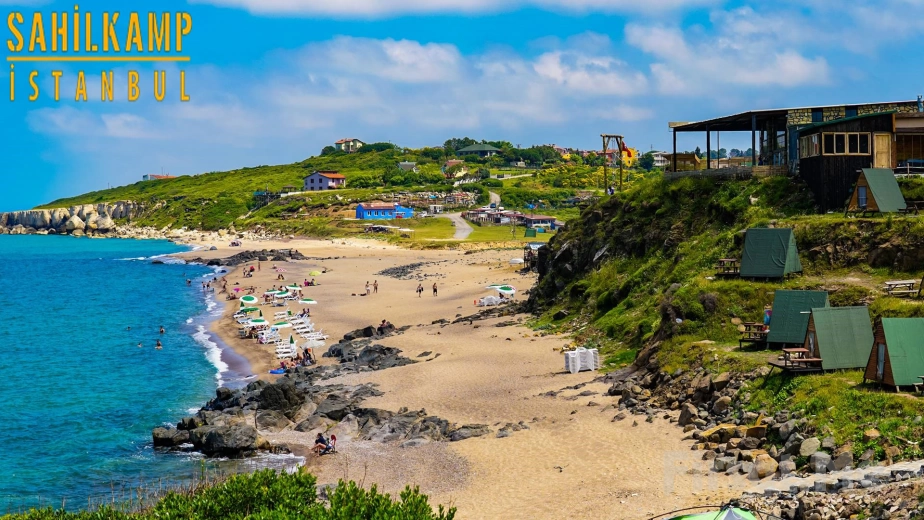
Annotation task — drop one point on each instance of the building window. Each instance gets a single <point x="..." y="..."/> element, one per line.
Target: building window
<point x="861" y="196"/>
<point x="843" y="143"/>
<point x="850" y="112"/>
<point x="809" y="146"/>
<point x="818" y="115"/>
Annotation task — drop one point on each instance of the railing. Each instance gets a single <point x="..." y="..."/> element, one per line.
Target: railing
<point x="732" y="172"/>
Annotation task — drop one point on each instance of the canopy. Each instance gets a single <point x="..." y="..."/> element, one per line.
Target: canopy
<point x="506" y="289"/>
<point x="769" y="253"/>
<point x="843" y="336"/>
<point x="270" y="293"/>
<point x="281" y="294"/>
<point x="790" y="316"/>
<point x="291" y="340"/>
<point x="307" y="301"/>
<point x="249" y="299"/>
<point x="725" y="514"/>
<point x="293" y="288"/>
<point x="258" y="322"/>
<point x="249" y="309"/>
<point x="282" y="325"/>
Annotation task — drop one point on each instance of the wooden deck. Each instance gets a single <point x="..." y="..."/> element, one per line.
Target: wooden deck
<point x="795" y="360"/>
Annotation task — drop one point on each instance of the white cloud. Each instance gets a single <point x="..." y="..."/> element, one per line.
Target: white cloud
<point x="384" y="8"/>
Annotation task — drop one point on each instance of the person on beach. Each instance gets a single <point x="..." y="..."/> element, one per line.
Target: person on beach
<point x="368" y="288"/>
<point x="434" y="288"/>
<point x="259" y="267"/>
<point x="158" y="346"/>
<point x="306" y="283"/>
<point x="419" y="289"/>
<point x="161" y="329"/>
<point x="320" y="444"/>
<point x="375" y="287"/>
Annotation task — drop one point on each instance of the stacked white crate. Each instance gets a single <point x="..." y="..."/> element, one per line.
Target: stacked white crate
<point x="582" y="359"/>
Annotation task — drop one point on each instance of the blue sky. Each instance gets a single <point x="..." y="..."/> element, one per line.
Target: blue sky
<point x="273" y="81"/>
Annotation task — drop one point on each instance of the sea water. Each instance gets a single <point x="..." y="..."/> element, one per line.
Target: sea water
<point x="80" y="398"/>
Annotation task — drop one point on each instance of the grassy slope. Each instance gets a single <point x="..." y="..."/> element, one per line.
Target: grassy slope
<point x="661" y="234"/>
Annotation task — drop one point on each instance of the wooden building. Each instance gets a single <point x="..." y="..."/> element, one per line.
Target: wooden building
<point x="840" y="336"/>
<point x="833" y="152"/>
<point x="877" y="191"/>
<point x="790" y="315"/>
<point x="897" y="356"/>
<point x="769" y="253"/>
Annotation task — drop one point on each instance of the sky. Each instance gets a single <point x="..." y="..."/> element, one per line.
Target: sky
<point x="274" y="81"/>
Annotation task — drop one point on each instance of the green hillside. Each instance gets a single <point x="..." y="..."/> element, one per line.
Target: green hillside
<point x="636" y="273"/>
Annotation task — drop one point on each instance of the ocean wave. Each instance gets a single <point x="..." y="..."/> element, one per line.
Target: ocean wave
<point x="132" y="259"/>
<point x="169" y="259"/>
<point x="189" y="320"/>
<point x="212" y="351"/>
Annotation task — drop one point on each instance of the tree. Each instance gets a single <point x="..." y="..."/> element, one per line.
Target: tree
<point x="646" y="161"/>
<point x="455" y="144"/>
<point x="472" y="158"/>
<point x="483" y="173"/>
<point x="376" y="147"/>
<point x="327" y="150"/>
<point x="698" y="152"/>
<point x="734" y="152"/>
<point x="433" y="153"/>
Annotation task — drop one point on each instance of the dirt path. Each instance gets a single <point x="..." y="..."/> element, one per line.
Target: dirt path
<point x="463" y="229"/>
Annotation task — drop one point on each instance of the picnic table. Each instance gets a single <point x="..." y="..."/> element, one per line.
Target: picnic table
<point x="727" y="266"/>
<point x="798" y="358"/>
<point x="912" y="206"/>
<point x="901" y="287"/>
<point x="753" y="332"/>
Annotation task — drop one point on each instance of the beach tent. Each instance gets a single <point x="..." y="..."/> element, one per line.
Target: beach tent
<point x="877" y="190"/>
<point x="731" y="513"/>
<point x="897" y="355"/>
<point x="840" y="336"/>
<point x="790" y="315"/>
<point x="769" y="253"/>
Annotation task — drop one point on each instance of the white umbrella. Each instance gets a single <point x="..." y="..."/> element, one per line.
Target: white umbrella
<point x="282" y="325"/>
<point x="506" y="289"/>
<point x="259" y="322"/>
<point x="307" y="301"/>
<point x="249" y="299"/>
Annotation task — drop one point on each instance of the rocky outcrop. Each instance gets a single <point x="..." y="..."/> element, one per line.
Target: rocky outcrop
<point x="95" y="218"/>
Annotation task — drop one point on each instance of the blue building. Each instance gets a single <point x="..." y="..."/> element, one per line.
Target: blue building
<point x="382" y="211"/>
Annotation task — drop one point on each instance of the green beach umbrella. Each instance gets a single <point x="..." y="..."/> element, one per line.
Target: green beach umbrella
<point x="249" y="299"/>
<point x="307" y="301"/>
<point x="505" y="289"/>
<point x="291" y="340"/>
<point x="732" y="513"/>
<point x="258" y="322"/>
<point x="282" y="325"/>
<point x="261" y="314"/>
<point x="249" y="309"/>
<point x="270" y="293"/>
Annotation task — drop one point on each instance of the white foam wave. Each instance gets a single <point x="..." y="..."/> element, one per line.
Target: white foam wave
<point x="189" y="320"/>
<point x="168" y="259"/>
<point x="212" y="351"/>
<point x="192" y="411"/>
<point x="132" y="259"/>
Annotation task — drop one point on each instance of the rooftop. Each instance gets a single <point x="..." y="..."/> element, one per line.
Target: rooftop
<point x="347" y="140"/>
<point x="479" y="148"/>
<point x="377" y="205"/>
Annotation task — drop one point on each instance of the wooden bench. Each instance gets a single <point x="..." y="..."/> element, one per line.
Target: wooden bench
<point x="912" y="207"/>
<point x="727" y="267"/>
<point x="901" y="287"/>
<point x="753" y="333"/>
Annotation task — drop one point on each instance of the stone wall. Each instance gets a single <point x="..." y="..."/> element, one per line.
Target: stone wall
<point x="803" y="116"/>
<point x="82" y="219"/>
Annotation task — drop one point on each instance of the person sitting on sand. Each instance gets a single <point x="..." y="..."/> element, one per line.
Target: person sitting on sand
<point x="280" y="277"/>
<point x="306" y="282"/>
<point x="320" y="444"/>
<point x="313" y="283"/>
<point x="383" y="327"/>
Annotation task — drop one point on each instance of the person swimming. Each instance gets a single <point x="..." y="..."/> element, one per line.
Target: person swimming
<point x="159" y="345"/>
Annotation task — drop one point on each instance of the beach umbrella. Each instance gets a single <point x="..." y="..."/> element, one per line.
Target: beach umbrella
<point x="261" y="314"/>
<point x="282" y="325"/>
<point x="294" y="288"/>
<point x="291" y="340"/>
<point x="315" y="273"/>
<point x="249" y="309"/>
<point x="270" y="293"/>
<point x="307" y="301"/>
<point x="281" y="294"/>
<point x="257" y="322"/>
<point x="249" y="299"/>
<point x="493" y="285"/>
<point x="242" y="305"/>
<point x="505" y="289"/>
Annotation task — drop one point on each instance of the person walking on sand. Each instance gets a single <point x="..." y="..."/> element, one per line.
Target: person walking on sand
<point x="419" y="290"/>
<point x="375" y="287"/>
<point x="368" y="288"/>
<point x="258" y="265"/>
<point x="434" y="288"/>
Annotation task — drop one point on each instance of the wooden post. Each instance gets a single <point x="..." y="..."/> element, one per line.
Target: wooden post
<point x="708" y="147"/>
<point x="753" y="140"/>
<point x="674" y="157"/>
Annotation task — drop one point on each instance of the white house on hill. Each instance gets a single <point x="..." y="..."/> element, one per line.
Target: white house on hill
<point x="349" y="145"/>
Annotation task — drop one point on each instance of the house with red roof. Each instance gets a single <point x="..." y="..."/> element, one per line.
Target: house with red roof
<point x="349" y="145"/>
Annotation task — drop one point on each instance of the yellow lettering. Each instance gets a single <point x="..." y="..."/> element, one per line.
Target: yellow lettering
<point x="159" y="36"/>
<point x="88" y="29"/>
<point x="133" y="91"/>
<point x="134" y="33"/>
<point x="58" y="31"/>
<point x="76" y="30"/>
<point x="183" y="26"/>
<point x="109" y="34"/>
<point x="38" y="33"/>
<point x="11" y="20"/>
<point x="160" y="88"/>
<point x="183" y="96"/>
<point x="57" y="75"/>
<point x="81" y="87"/>
<point x="34" y="85"/>
<point x="106" y="86"/>
<point x="12" y="83"/>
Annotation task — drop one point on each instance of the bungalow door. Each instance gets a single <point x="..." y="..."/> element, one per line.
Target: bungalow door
<point x="861" y="196"/>
<point x="880" y="361"/>
<point x="811" y="338"/>
<point x="883" y="151"/>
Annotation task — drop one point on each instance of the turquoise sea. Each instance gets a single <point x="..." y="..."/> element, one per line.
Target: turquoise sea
<point x="80" y="398"/>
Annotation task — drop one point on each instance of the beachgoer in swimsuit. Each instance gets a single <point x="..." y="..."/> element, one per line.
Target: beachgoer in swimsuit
<point x="375" y="287"/>
<point x="161" y="329"/>
<point x="419" y="290"/>
<point x="434" y="288"/>
<point x="159" y="345"/>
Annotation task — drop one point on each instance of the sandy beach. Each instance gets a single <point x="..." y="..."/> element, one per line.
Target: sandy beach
<point x="573" y="460"/>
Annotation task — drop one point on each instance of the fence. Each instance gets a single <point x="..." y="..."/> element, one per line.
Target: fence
<point x="738" y="173"/>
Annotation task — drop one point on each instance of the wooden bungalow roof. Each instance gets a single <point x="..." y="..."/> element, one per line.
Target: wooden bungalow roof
<point x="885" y="190"/>
<point x="905" y="347"/>
<point x="790" y="315"/>
<point x="843" y="335"/>
<point x="769" y="253"/>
